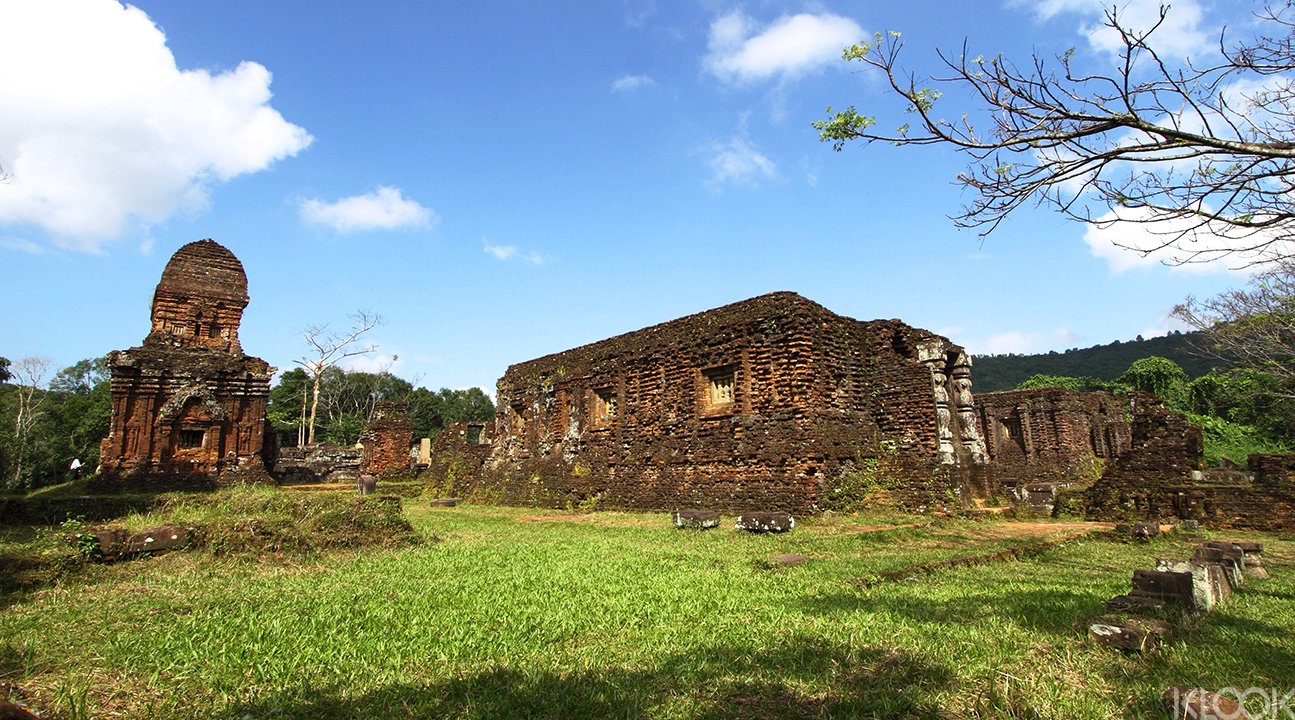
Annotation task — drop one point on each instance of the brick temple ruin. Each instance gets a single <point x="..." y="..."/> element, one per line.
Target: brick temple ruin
<point x="756" y="405"/>
<point x="772" y="403"/>
<point x="188" y="403"/>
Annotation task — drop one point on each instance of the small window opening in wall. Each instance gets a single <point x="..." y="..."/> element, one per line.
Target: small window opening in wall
<point x="190" y="439"/>
<point x="213" y="331"/>
<point x="474" y="433"/>
<point x="518" y="420"/>
<point x="720" y="386"/>
<point x="604" y="405"/>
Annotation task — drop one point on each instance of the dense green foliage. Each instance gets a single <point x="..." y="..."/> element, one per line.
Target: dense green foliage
<point x="71" y="417"/>
<point x="1161" y="377"/>
<point x="517" y="614"/>
<point x="347" y="399"/>
<point x="72" y="413"/>
<point x="1101" y="362"/>
<point x="1239" y="412"/>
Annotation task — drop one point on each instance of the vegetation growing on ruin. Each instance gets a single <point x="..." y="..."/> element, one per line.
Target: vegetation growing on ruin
<point x="1239" y="412"/>
<point x="527" y="613"/>
<point x="250" y="522"/>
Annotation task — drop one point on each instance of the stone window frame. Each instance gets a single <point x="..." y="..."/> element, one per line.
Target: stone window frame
<point x="603" y="406"/>
<point x="711" y="393"/>
<point x="189" y="438"/>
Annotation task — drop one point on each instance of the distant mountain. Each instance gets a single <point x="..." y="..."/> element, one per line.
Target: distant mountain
<point x="1104" y="362"/>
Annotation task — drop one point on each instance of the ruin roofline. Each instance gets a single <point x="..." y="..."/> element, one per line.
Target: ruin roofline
<point x="770" y="306"/>
<point x="205" y="268"/>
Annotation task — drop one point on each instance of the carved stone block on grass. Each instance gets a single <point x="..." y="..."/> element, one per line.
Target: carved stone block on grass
<point x="1134" y="636"/>
<point x="1209" y="586"/>
<point x="120" y="544"/>
<point x="445" y="502"/>
<point x="1174" y="588"/>
<point x="1226" y="559"/>
<point x="760" y="522"/>
<point x="696" y="519"/>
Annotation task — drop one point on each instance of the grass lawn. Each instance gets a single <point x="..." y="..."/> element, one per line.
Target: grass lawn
<point x="530" y="613"/>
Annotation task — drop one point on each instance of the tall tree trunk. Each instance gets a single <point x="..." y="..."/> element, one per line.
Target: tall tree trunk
<point x="314" y="405"/>
<point x="301" y="426"/>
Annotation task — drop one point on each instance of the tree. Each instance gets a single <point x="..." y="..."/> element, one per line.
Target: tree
<point x="327" y="348"/>
<point x="1161" y="377"/>
<point x="4" y="370"/>
<point x="29" y="375"/>
<point x="1251" y="327"/>
<point x="1183" y="149"/>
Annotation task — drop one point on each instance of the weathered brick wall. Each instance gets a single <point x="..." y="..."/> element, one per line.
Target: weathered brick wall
<point x="1161" y="478"/>
<point x="188" y="403"/>
<point x="456" y="460"/>
<point x="387" y="439"/>
<point x="749" y="406"/>
<point x="1051" y="434"/>
<point x="1164" y="452"/>
<point x="318" y="463"/>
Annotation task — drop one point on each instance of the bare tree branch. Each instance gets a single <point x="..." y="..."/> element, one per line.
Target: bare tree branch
<point x="327" y="349"/>
<point x="1182" y="150"/>
<point x="1253" y="327"/>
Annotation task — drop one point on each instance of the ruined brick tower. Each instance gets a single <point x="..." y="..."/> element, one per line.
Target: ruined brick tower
<point x="188" y="402"/>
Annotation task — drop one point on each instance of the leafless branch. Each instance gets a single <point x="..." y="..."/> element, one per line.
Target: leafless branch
<point x="1183" y="150"/>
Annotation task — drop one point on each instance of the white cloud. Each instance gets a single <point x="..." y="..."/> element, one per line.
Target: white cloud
<point x="511" y="252"/>
<point x="375" y="362"/>
<point x="103" y="132"/>
<point x="792" y="45"/>
<point x="1022" y="342"/>
<point x="1180" y="34"/>
<point x="738" y="162"/>
<point x="1124" y="240"/>
<point x="22" y="245"/>
<point x="626" y="83"/>
<point x="386" y="208"/>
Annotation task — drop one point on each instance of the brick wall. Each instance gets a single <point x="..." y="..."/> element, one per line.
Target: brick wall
<point x="1051" y="434"/>
<point x="749" y="406"/>
<point x="387" y="439"/>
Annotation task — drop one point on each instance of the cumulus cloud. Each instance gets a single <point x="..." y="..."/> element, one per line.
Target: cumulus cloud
<point x="740" y="51"/>
<point x="1180" y="34"/>
<point x="386" y="208"/>
<point x="626" y="83"/>
<point x="511" y="252"/>
<point x="1124" y="240"/>
<point x="102" y="132"/>
<point x="738" y="162"/>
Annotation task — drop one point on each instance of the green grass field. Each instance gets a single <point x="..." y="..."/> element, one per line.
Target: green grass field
<point x="517" y="613"/>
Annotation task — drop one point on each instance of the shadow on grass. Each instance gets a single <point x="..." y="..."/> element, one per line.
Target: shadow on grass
<point x="802" y="678"/>
<point x="1050" y="610"/>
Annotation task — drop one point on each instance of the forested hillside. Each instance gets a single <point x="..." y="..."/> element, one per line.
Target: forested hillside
<point x="1104" y="362"/>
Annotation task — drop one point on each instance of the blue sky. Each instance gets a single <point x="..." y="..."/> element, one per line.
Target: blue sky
<point x="502" y="180"/>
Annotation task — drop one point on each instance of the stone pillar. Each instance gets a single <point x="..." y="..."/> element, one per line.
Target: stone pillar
<point x="943" y="416"/>
<point x="973" y="445"/>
